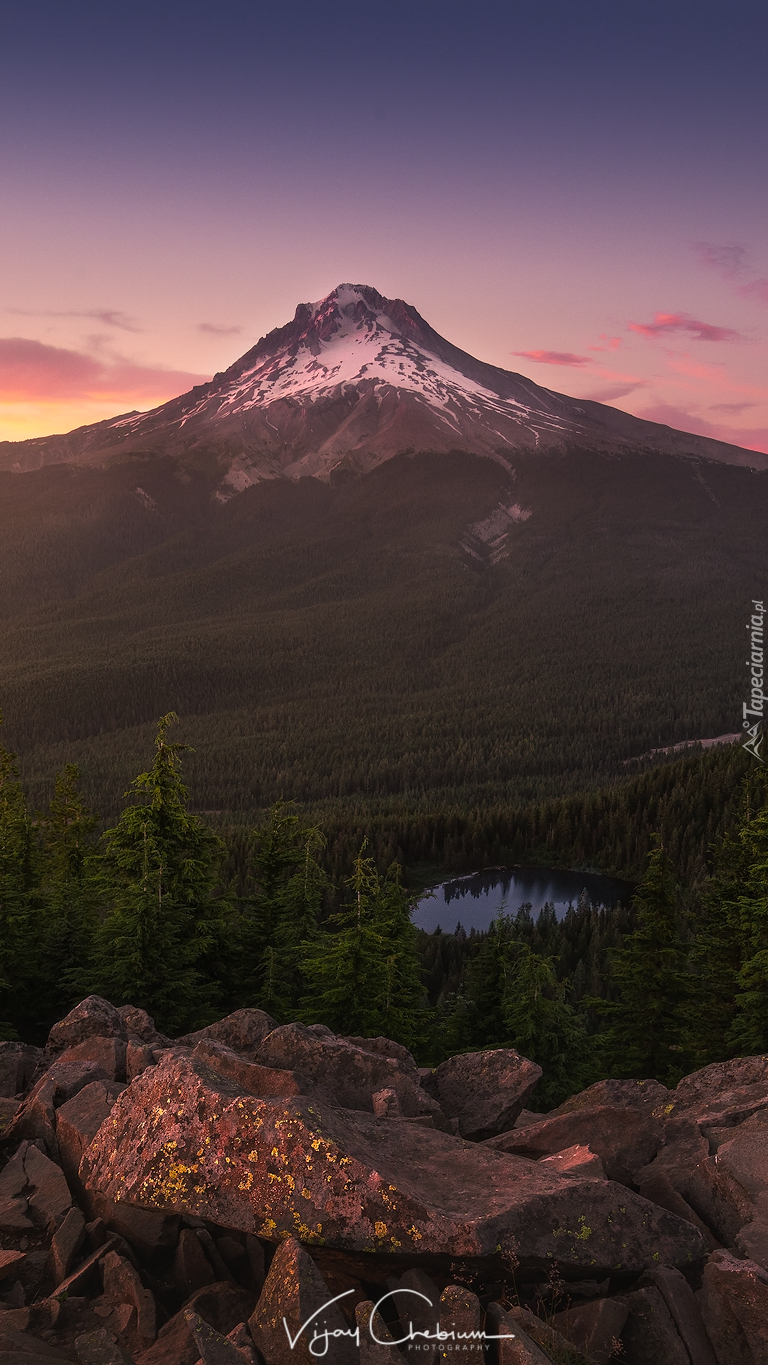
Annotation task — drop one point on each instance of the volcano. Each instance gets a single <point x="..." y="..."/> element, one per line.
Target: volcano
<point x="351" y="382"/>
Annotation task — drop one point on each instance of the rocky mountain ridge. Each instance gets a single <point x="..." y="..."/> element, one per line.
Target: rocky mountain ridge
<point x="199" y="1201"/>
<point x="350" y="382"/>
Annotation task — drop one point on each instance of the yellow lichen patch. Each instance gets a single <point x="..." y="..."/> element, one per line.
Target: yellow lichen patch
<point x="413" y="1232"/>
<point x="274" y="1152"/>
<point x="268" y="1226"/>
<point x="380" y="1229"/>
<point x="175" y="1184"/>
<point x="305" y="1194"/>
<point x="395" y="1242"/>
<point x="247" y="1183"/>
<point x="290" y="1182"/>
<point x="272" y="1175"/>
<point x="253" y="1156"/>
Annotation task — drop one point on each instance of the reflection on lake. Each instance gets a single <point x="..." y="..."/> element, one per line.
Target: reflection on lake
<point x="476" y="900"/>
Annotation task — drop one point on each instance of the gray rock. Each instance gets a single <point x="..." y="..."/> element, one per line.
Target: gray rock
<point x="65" y="1245"/>
<point x="37" y="1116"/>
<point x="594" y="1327"/>
<point x="462" y="1319"/>
<point x="94" y="1017"/>
<point x="79" y="1120"/>
<point x="376" y="1344"/>
<point x="624" y="1139"/>
<point x="244" y="1032"/>
<point x="681" y="1302"/>
<point x="142" y="1026"/>
<point x="348" y="1075"/>
<point x="359" y="1183"/>
<point x="647" y="1095"/>
<point x="650" y="1335"/>
<point x="191" y="1267"/>
<point x="385" y="1047"/>
<point x="250" y="1076"/>
<point x="734" y="1307"/>
<point x="99" y="1348"/>
<point x="295" y="1297"/>
<point x="485" y="1091"/>
<point x="512" y="1345"/>
<point x="107" y="1053"/>
<point x="222" y="1306"/>
<point x="215" y="1349"/>
<point x="122" y="1284"/>
<point x="17" y="1065"/>
<point x="418" y="1308"/>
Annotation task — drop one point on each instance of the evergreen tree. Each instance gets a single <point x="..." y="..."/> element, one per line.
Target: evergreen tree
<point x="486" y="985"/>
<point x="299" y="904"/>
<point x="159" y="873"/>
<point x="727" y="923"/>
<point x="647" y="1020"/>
<point x="68" y="892"/>
<point x="19" y="930"/>
<point x="284" y="910"/>
<point x="542" y="1024"/>
<point x="363" y="972"/>
<point x="749" y="1031"/>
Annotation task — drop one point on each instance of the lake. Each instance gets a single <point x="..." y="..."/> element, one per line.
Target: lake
<point x="474" y="901"/>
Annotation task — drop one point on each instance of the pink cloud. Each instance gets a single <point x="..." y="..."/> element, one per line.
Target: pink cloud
<point x="31" y="371"/>
<point x="554" y="357"/>
<point x="110" y="317"/>
<point x="612" y="343"/>
<point x="216" y="330"/>
<point x="729" y="260"/>
<point x="757" y="289"/>
<point x="612" y="392"/>
<point x="665" y="323"/>
<point x="731" y="407"/>
<point x="750" y="438"/>
<point x="732" y="262"/>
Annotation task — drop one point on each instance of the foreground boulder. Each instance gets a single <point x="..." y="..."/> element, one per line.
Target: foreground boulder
<point x="723" y="1092"/>
<point x="243" y="1032"/>
<point x="17" y="1066"/>
<point x="483" y="1091"/>
<point x="295" y="1312"/>
<point x="625" y="1139"/>
<point x="351" y="1074"/>
<point x="94" y="1017"/>
<point x="183" y="1140"/>
<point x="646" y="1095"/>
<point x="734" y="1305"/>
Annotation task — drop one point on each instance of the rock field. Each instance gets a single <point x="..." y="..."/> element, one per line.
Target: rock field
<point x="262" y="1193"/>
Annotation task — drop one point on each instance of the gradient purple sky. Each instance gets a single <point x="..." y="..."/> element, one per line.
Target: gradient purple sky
<point x="579" y="193"/>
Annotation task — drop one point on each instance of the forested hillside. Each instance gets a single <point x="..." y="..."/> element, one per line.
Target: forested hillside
<point x="398" y="644"/>
<point x="162" y="912"/>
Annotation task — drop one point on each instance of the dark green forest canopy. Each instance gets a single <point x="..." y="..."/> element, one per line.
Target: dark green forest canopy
<point x="362" y="646"/>
<point x="159" y="912"/>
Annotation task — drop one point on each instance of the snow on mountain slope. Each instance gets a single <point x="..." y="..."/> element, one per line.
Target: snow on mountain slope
<point x="352" y="381"/>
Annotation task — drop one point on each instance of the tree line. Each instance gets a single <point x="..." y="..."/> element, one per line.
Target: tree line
<point x="162" y="912"/>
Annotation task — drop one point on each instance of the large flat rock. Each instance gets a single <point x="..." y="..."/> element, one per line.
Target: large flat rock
<point x="183" y="1139"/>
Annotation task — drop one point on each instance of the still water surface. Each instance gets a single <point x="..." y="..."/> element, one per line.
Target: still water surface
<point x="476" y="900"/>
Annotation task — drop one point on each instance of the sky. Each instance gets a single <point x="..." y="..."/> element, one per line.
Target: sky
<point x="574" y="191"/>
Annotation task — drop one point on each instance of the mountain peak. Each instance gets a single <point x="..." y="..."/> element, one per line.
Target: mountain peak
<point x="351" y="381"/>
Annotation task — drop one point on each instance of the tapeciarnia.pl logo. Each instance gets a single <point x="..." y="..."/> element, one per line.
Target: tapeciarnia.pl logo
<point x="414" y="1338"/>
<point x="755" y="708"/>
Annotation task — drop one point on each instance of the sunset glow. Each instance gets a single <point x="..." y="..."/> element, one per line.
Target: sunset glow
<point x="172" y="195"/>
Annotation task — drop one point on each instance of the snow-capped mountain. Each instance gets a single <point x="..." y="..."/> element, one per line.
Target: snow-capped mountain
<point x="350" y="382"/>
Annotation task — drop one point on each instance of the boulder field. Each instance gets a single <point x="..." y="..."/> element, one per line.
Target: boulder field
<point x="275" y="1194"/>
